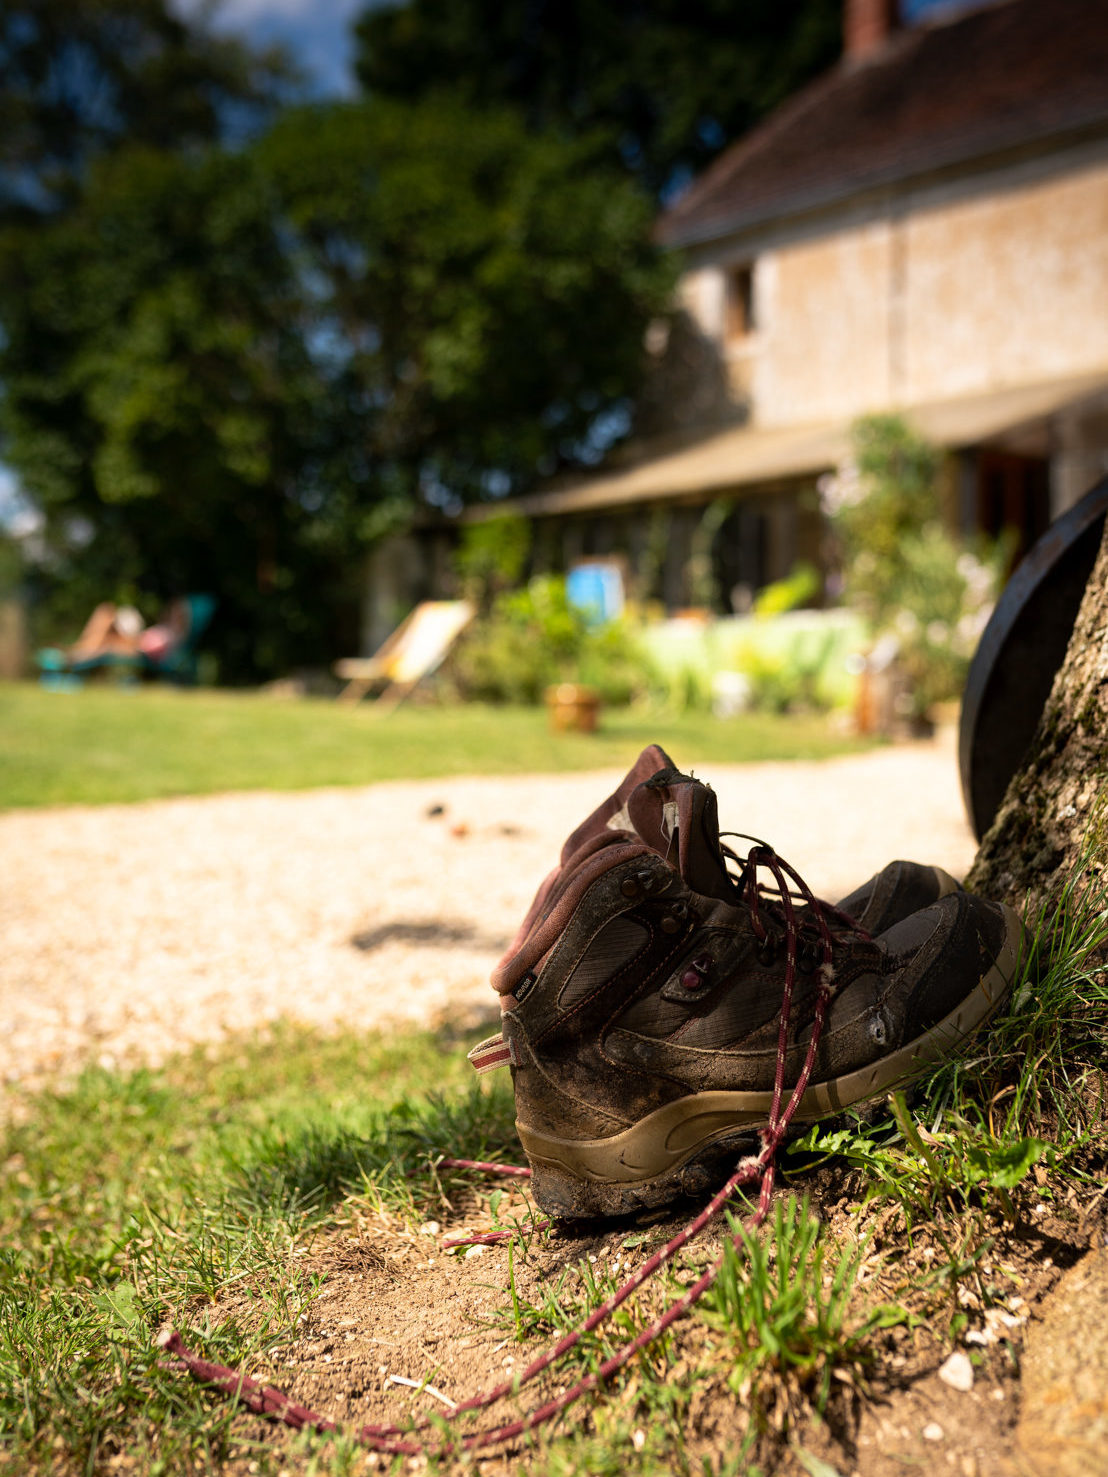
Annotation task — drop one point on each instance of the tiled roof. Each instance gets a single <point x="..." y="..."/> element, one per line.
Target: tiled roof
<point x="1010" y="74"/>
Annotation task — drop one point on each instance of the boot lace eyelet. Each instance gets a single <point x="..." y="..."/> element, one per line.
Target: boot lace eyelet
<point x="696" y="972"/>
<point x="767" y="949"/>
<point x="675" y="917"/>
<point x="809" y="955"/>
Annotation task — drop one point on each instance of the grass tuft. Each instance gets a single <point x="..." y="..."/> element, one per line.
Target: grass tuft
<point x="782" y="1303"/>
<point x="1041" y="1065"/>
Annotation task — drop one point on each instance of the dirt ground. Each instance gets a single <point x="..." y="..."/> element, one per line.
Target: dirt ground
<point x="397" y="1310"/>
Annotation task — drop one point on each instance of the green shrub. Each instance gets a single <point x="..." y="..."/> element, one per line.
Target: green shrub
<point x="799" y="587"/>
<point x="901" y="569"/>
<point x="492" y="556"/>
<point x="533" y="638"/>
<point x="789" y="680"/>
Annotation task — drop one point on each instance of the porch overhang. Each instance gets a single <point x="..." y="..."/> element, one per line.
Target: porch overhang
<point x="748" y="456"/>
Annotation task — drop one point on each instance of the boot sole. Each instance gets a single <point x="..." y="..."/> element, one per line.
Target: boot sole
<point x="672" y="1151"/>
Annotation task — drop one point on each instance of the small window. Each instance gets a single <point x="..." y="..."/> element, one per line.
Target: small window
<point x="739" y="311"/>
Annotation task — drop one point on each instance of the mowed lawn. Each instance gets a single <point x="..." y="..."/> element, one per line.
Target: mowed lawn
<point x="106" y="744"/>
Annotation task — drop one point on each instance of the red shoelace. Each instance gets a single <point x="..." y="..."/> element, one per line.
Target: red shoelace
<point x="426" y="1436"/>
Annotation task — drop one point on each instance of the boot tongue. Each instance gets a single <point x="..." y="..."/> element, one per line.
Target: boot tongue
<point x="677" y="816"/>
<point x="611" y="814"/>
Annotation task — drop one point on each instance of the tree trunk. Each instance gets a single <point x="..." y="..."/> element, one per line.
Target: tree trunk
<point x="1054" y="816"/>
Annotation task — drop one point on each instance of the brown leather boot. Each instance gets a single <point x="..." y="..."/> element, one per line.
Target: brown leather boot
<point x="642" y="998"/>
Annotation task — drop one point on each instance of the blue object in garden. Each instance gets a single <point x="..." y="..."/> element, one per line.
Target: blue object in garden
<point x="596" y="590"/>
<point x="62" y="675"/>
<point x="60" y="681"/>
<point x="178" y="664"/>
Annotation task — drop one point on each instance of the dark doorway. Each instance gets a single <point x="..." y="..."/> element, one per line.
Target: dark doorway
<point x="1013" y="498"/>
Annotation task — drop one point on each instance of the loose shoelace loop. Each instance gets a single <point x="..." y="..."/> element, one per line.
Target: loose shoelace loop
<point x="414" y="1439"/>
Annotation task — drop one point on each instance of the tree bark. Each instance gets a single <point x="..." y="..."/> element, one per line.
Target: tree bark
<point x="1054" y="816"/>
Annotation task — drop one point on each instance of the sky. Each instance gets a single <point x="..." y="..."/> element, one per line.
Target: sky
<point x="315" y="32"/>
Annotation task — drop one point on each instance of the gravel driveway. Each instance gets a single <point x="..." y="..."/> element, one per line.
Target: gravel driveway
<point x="132" y="930"/>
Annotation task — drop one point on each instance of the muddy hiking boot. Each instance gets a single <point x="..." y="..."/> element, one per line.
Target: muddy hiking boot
<point x="643" y="996"/>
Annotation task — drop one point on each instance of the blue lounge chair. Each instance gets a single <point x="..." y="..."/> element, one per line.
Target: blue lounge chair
<point x="176" y="664"/>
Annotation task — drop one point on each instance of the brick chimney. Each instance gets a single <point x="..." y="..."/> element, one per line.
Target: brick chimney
<point x="867" y="24"/>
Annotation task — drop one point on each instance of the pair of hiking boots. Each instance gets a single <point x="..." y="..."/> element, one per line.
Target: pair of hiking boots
<point x="658" y="992"/>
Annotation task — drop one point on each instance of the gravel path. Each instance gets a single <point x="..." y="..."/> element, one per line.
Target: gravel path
<point x="132" y="930"/>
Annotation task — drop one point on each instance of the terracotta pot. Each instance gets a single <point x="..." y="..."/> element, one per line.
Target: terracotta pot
<point x="573" y="708"/>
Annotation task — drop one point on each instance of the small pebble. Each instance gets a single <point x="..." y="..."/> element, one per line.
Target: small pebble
<point x="932" y="1431"/>
<point x="478" y="1250"/>
<point x="957" y="1371"/>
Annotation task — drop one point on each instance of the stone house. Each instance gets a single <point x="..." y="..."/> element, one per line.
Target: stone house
<point x="922" y="230"/>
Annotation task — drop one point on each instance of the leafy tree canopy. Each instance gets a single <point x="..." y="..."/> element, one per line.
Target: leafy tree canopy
<point x="670" y="81"/>
<point x="479" y="293"/>
<point x="230" y="371"/>
<point x="79" y="77"/>
<point x="158" y="400"/>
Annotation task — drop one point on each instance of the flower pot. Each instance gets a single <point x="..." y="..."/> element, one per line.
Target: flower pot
<point x="573" y="708"/>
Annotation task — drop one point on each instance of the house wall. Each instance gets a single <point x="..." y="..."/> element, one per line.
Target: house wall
<point x="1007" y="289"/>
<point x="963" y="285"/>
<point x="953" y="287"/>
<point x="823" y="349"/>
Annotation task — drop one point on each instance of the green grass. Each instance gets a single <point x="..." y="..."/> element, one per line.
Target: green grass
<point x="134" y="1198"/>
<point x="784" y="1305"/>
<point x="103" y="744"/>
<point x="173" y="1195"/>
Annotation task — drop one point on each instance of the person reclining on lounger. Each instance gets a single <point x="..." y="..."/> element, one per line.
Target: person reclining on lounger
<point x="119" y="631"/>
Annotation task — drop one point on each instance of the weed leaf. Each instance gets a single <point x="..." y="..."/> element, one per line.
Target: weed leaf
<point x="815" y="1466"/>
<point x="1004" y="1165"/>
<point x="121" y="1305"/>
